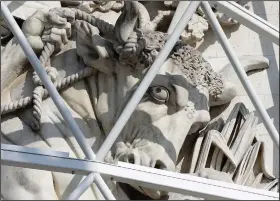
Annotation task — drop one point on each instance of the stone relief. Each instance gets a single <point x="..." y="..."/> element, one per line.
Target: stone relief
<point x="198" y="25"/>
<point x="97" y="66"/>
<point x="194" y="31"/>
<point x="91" y="6"/>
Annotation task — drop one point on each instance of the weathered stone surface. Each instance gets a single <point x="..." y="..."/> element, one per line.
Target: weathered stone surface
<point x="175" y="106"/>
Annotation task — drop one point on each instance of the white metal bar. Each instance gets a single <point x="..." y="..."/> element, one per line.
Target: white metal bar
<point x="139" y="176"/>
<point x="240" y="71"/>
<point x="181" y="8"/>
<point x="248" y="19"/>
<point x="147" y="80"/>
<point x="238" y="13"/>
<point x="137" y="96"/>
<point x="141" y="169"/>
<point x="82" y="187"/>
<point x="48" y="152"/>
<point x="36" y="64"/>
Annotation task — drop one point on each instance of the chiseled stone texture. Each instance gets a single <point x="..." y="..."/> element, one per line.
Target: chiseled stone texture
<point x="266" y="83"/>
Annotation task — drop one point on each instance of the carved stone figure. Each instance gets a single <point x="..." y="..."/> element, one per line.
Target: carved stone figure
<point x="198" y="25"/>
<point x="229" y="151"/>
<point x="21" y="10"/>
<point x="91" y="6"/>
<point x="162" y="15"/>
<point x="97" y="66"/>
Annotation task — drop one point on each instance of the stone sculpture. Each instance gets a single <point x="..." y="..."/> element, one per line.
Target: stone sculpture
<point x="194" y="32"/>
<point x="229" y="151"/>
<point x="97" y="66"/>
<point x="240" y="144"/>
<point x="21" y="10"/>
<point x="92" y="6"/>
<point x="198" y="25"/>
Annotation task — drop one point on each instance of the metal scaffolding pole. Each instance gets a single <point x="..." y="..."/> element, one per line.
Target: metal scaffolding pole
<point x="130" y="173"/>
<point x="240" y="72"/>
<point x="147" y="80"/>
<point x="136" y="175"/>
<point x="182" y="6"/>
<point x="137" y="96"/>
<point x="238" y="13"/>
<point x="35" y="62"/>
<point x="247" y="18"/>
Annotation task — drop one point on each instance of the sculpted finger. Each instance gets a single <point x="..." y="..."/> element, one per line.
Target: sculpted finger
<point x="61" y="32"/>
<point x="34" y="25"/>
<point x="47" y="31"/>
<point x="36" y="43"/>
<point x="56" y="19"/>
<point x="53" y="38"/>
<point x="67" y="13"/>
<point x="66" y="26"/>
<point x="39" y="15"/>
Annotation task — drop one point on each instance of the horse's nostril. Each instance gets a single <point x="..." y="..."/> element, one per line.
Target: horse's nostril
<point x="160" y="165"/>
<point x="130" y="159"/>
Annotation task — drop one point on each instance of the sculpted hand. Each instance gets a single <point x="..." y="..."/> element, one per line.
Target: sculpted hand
<point x="50" y="27"/>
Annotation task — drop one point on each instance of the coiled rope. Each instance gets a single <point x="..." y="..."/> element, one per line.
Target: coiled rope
<point x="127" y="51"/>
<point x="39" y="92"/>
<point x="37" y="96"/>
<point x="61" y="84"/>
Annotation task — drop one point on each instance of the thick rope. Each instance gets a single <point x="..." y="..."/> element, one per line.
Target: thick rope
<point x="39" y="92"/>
<point x="107" y="6"/>
<point x="37" y="107"/>
<point x="38" y="95"/>
<point x="131" y="48"/>
<point x="48" y="50"/>
<point x="52" y="73"/>
<point x="61" y="84"/>
<point x="46" y="53"/>
<point x="104" y="27"/>
<point x="21" y="103"/>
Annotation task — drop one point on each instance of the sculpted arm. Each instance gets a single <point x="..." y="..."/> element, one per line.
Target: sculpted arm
<point x="39" y="28"/>
<point x="13" y="58"/>
<point x="13" y="61"/>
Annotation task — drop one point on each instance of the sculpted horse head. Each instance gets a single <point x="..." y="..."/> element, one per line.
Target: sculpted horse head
<point x="178" y="100"/>
<point x="176" y="104"/>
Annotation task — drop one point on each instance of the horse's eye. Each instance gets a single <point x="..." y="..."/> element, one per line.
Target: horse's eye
<point x="159" y="93"/>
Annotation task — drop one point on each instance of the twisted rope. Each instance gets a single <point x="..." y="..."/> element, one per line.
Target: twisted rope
<point x="37" y="96"/>
<point x="131" y="48"/>
<point x="61" y="84"/>
<point x="37" y="107"/>
<point x="21" y="103"/>
<point x="46" y="53"/>
<point x="103" y="26"/>
<point x="107" y="6"/>
<point x="39" y="92"/>
<point x="52" y="73"/>
<point x="129" y="51"/>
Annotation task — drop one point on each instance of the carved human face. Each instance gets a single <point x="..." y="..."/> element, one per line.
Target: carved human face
<point x="155" y="133"/>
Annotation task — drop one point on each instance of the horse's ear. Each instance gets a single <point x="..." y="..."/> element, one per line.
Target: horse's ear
<point x="231" y="79"/>
<point x="96" y="51"/>
<point x="252" y="63"/>
<point x="127" y="21"/>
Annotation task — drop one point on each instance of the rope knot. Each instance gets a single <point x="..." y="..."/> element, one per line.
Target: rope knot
<point x="52" y="73"/>
<point x="37" y="107"/>
<point x="129" y="51"/>
<point x="38" y="94"/>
